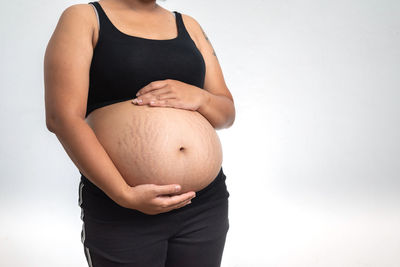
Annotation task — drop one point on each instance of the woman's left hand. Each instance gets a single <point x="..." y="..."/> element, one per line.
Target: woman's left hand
<point x="170" y="93"/>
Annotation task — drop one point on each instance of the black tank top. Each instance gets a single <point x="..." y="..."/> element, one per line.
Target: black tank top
<point x="122" y="64"/>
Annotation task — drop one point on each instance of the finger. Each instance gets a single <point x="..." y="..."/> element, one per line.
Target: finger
<point x="159" y="94"/>
<point x="166" y="189"/>
<point x="180" y="205"/>
<point x="163" y="96"/>
<point x="170" y="102"/>
<point x="166" y="202"/>
<point x="152" y="96"/>
<point x="155" y="96"/>
<point x="152" y="86"/>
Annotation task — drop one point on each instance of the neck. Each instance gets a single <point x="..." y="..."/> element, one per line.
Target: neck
<point x="140" y="5"/>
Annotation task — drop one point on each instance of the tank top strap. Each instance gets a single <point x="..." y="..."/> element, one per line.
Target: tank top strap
<point x="101" y="16"/>
<point x="181" y="26"/>
<point x="106" y="25"/>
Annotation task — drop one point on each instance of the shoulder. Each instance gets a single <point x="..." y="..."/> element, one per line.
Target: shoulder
<point x="195" y="30"/>
<point x="79" y="15"/>
<point x="198" y="33"/>
<point x="191" y="23"/>
<point x="78" y="11"/>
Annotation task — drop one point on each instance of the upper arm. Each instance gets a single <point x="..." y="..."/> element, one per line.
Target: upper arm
<point x="214" y="80"/>
<point x="67" y="62"/>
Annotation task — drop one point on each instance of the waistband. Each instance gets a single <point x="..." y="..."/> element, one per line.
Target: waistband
<point x="220" y="176"/>
<point x="97" y="204"/>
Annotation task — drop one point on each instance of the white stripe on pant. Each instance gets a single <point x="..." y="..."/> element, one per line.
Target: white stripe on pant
<point x="86" y="250"/>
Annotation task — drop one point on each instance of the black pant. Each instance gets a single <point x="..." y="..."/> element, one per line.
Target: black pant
<point x="191" y="236"/>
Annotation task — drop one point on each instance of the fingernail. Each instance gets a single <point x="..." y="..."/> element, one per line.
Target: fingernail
<point x="189" y="202"/>
<point x="177" y="188"/>
<point x="134" y="101"/>
<point x="140" y="100"/>
<point x="137" y="94"/>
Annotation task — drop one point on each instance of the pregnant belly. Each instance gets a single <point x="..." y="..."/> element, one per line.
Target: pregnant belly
<point x="158" y="145"/>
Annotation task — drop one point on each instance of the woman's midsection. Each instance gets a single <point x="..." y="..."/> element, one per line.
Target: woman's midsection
<point x="158" y="145"/>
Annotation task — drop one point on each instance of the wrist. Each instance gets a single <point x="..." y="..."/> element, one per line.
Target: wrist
<point x="204" y="99"/>
<point x="125" y="197"/>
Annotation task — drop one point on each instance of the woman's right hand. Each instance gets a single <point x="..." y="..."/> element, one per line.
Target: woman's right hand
<point x="154" y="199"/>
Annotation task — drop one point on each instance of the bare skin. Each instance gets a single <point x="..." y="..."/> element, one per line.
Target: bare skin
<point x="66" y="74"/>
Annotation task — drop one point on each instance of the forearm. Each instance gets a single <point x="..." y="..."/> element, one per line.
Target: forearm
<point x="218" y="110"/>
<point x="89" y="156"/>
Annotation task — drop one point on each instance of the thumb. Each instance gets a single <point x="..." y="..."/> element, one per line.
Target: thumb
<point x="167" y="189"/>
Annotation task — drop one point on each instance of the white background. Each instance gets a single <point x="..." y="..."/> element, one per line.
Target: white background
<point x="312" y="160"/>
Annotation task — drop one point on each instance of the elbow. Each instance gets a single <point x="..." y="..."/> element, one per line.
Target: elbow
<point x="50" y="123"/>
<point x="230" y="118"/>
<point x="228" y="122"/>
<point x="49" y="126"/>
<point x="56" y="122"/>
